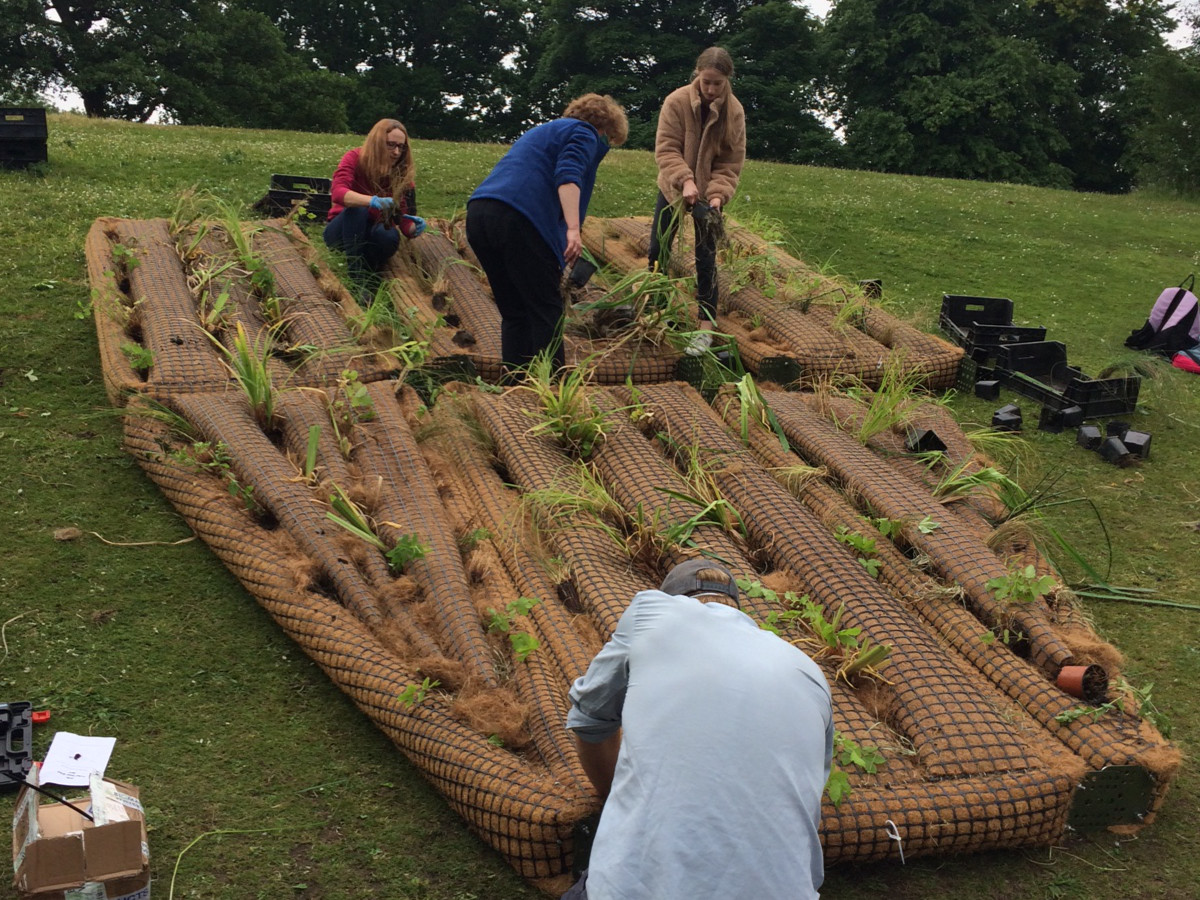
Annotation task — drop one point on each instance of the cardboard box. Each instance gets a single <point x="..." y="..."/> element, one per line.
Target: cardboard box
<point x="59" y="855"/>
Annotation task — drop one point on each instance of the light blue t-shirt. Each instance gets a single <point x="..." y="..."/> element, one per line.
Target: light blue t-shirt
<point x="725" y="751"/>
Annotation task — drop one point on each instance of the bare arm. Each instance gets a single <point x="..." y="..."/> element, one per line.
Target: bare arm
<point x="600" y="761"/>
<point x="568" y="198"/>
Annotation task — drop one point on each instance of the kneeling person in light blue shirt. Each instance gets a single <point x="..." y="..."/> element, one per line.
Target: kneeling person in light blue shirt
<point x="711" y="740"/>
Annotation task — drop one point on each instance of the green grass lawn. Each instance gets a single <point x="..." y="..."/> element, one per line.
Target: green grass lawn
<point x="261" y="779"/>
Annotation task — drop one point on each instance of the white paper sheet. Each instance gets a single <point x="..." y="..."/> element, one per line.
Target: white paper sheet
<point x="72" y="758"/>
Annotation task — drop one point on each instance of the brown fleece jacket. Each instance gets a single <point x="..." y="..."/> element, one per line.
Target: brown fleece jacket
<point x="682" y="150"/>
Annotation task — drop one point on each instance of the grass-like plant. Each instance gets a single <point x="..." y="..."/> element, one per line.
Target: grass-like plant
<point x="967" y="478"/>
<point x="752" y="407"/>
<point x="248" y="362"/>
<point x="894" y="401"/>
<point x="350" y="516"/>
<point x="566" y="411"/>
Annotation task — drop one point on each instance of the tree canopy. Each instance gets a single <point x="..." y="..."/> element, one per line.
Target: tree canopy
<point x="1082" y="94"/>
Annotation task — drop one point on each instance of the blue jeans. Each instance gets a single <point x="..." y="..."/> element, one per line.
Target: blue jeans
<point x="368" y="245"/>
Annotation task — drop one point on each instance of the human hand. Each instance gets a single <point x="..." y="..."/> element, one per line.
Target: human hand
<point x="715" y="203"/>
<point x="412" y="226"/>
<point x="691" y="193"/>
<point x="574" y="246"/>
<point x="382" y="204"/>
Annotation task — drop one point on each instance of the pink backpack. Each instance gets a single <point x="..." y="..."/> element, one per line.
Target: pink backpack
<point x="1174" y="322"/>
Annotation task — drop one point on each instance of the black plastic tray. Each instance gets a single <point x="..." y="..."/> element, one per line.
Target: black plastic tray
<point x="1039" y="370"/>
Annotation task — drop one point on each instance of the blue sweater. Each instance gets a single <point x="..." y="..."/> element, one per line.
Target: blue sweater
<point x="527" y="178"/>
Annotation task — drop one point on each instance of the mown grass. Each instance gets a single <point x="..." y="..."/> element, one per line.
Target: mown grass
<point x="228" y="728"/>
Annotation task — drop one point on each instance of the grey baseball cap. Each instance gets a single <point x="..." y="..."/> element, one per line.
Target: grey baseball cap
<point x="684" y="579"/>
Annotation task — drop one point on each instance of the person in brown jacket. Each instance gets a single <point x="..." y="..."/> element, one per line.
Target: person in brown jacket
<point x="700" y="146"/>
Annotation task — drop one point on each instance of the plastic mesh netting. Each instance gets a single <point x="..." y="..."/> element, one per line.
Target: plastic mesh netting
<point x="454" y="565"/>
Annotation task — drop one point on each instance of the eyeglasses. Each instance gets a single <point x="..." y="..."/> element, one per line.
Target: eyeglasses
<point x="392" y="145"/>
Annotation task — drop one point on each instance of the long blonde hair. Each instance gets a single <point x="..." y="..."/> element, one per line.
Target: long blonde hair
<point x="376" y="163"/>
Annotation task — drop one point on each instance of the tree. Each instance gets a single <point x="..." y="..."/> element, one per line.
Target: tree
<point x="1167" y="147"/>
<point x="637" y="51"/>
<point x="233" y="69"/>
<point x="944" y="87"/>
<point x="193" y="61"/>
<point x="438" y="67"/>
<point x="776" y="49"/>
<point x="1106" y="45"/>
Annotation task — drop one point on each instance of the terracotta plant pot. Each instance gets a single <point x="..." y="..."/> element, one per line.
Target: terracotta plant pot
<point x="1088" y="683"/>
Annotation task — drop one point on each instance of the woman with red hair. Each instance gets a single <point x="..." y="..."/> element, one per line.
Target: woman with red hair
<point x="374" y="201"/>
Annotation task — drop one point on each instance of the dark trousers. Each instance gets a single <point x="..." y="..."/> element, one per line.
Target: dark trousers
<point x="662" y="236"/>
<point x="525" y="277"/>
<point x="367" y="245"/>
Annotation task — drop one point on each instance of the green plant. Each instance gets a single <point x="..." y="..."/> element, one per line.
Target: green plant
<point x="895" y="400"/>
<point x="140" y="358"/>
<point x="963" y="481"/>
<point x="1007" y="636"/>
<point x="889" y="528"/>
<point x="125" y="257"/>
<point x="847" y="754"/>
<point x="349" y="516"/>
<point x="310" y="451"/>
<point x="753" y="405"/>
<point x="468" y="541"/>
<point x="415" y="694"/>
<point x="566" y="411"/>
<point x="249" y="363"/>
<point x="1021" y="585"/>
<point x="522" y="642"/>
<point x="856" y="655"/>
<point x="865" y="546"/>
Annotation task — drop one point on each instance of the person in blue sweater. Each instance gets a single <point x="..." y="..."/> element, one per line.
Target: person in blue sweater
<point x="524" y="219"/>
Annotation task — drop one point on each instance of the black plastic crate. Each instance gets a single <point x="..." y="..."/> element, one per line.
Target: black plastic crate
<point x="22" y="136"/>
<point x="1039" y="370"/>
<point x="983" y="323"/>
<point x="311" y="191"/>
<point x="20" y="123"/>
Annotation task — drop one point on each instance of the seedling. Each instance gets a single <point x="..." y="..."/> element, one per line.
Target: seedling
<point x="927" y="526"/>
<point x="414" y="694"/>
<point x="125" y="257"/>
<point x="522" y="643"/>
<point x="310" y="453"/>
<point x="752" y="404"/>
<point x="865" y="547"/>
<point x="847" y="753"/>
<point x="894" y="401"/>
<point x="468" y="541"/>
<point x="1007" y="636"/>
<point x="249" y="363"/>
<point x="1022" y="585"/>
<point x="140" y="358"/>
<point x="828" y="638"/>
<point x="961" y="482"/>
<point x="889" y="528"/>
